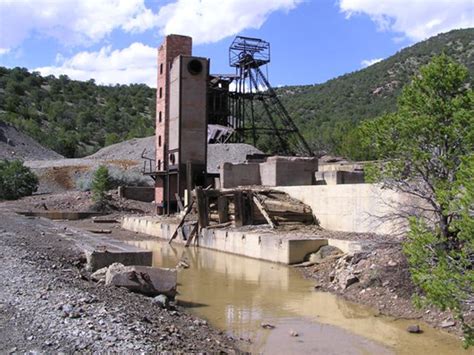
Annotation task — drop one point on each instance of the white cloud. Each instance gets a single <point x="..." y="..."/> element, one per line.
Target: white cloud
<point x="134" y="64"/>
<point x="72" y="21"/>
<point x="212" y="20"/>
<point x="4" y="51"/>
<point x="368" y="62"/>
<point x="416" y="19"/>
<point x="79" y="22"/>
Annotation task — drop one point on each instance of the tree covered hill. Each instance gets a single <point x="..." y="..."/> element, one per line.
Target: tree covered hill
<point x="327" y="112"/>
<point x="74" y="118"/>
<point x="77" y="118"/>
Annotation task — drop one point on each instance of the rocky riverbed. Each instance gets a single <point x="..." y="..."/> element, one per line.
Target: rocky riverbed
<point x="48" y="305"/>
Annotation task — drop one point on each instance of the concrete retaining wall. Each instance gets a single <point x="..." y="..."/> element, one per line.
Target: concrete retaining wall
<point x="279" y="248"/>
<point x="145" y="194"/>
<point x="361" y="208"/>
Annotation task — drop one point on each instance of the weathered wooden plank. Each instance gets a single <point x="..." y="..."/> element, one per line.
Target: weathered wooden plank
<point x="223" y="209"/>
<point x="202" y="207"/>
<point x="188" y="210"/>
<point x="192" y="235"/>
<point x="220" y="225"/>
<point x="178" y="201"/>
<point x="239" y="208"/>
<point x="263" y="211"/>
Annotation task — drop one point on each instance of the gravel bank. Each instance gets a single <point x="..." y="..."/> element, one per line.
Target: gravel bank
<point x="47" y="306"/>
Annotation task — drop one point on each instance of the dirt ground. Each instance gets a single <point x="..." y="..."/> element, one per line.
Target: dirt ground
<point x="47" y="305"/>
<point x="383" y="279"/>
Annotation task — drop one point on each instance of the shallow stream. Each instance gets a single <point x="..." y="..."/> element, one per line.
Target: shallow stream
<point x="238" y="294"/>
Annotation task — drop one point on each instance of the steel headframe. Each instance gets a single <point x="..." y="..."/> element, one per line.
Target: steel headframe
<point x="248" y="55"/>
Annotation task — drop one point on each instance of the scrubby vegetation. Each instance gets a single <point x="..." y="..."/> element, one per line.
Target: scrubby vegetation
<point x="428" y="150"/>
<point x="329" y="113"/>
<point x="77" y="118"/>
<point x="16" y="180"/>
<point x="74" y="118"/>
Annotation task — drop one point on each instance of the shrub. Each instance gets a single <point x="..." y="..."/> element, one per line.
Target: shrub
<point x="100" y="184"/>
<point x="16" y="180"/>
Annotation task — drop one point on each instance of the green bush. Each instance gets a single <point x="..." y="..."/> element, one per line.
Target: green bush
<point x="428" y="151"/>
<point x="16" y="180"/>
<point x="100" y="184"/>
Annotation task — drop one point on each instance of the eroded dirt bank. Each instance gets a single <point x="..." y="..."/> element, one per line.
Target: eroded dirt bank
<point x="46" y="305"/>
<point x="380" y="278"/>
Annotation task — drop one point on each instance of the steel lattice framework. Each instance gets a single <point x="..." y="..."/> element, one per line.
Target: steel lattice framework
<point x="254" y="106"/>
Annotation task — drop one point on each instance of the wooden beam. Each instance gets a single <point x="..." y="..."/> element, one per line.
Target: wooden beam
<point x="202" y="207"/>
<point x="223" y="209"/>
<point x="188" y="210"/>
<point x="192" y="235"/>
<point x="220" y="225"/>
<point x="178" y="201"/>
<point x="239" y="210"/>
<point x="263" y="211"/>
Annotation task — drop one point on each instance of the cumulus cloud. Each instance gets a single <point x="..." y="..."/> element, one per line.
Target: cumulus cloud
<point x="368" y="62"/>
<point x="72" y="22"/>
<point x="80" y="22"/>
<point x="212" y="20"/>
<point x="134" y="64"/>
<point x="415" y="19"/>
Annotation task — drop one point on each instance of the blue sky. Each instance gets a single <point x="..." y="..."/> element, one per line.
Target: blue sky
<point x="311" y="41"/>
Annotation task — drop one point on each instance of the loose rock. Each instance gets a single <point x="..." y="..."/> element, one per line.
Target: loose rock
<point x="267" y="326"/>
<point x="447" y="324"/>
<point x="415" y="329"/>
<point x="143" y="279"/>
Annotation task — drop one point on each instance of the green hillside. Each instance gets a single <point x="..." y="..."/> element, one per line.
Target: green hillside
<point x="77" y="118"/>
<point x="326" y="112"/>
<point x="72" y="117"/>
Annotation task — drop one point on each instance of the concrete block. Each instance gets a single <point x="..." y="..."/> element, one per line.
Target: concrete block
<point x="233" y="175"/>
<point x="288" y="171"/>
<point x="97" y="259"/>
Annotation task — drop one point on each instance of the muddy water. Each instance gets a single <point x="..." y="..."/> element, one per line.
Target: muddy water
<point x="238" y="294"/>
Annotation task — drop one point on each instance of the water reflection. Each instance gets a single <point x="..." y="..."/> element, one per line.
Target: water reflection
<point x="238" y="294"/>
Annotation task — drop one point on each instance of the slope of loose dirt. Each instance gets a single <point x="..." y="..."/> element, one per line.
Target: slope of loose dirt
<point x="17" y="145"/>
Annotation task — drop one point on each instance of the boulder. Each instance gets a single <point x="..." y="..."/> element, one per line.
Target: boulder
<point x="99" y="275"/>
<point x="161" y="301"/>
<point x="345" y="278"/>
<point x="324" y="252"/>
<point x="146" y="280"/>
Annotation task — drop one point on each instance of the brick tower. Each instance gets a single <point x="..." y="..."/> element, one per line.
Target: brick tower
<point x="172" y="47"/>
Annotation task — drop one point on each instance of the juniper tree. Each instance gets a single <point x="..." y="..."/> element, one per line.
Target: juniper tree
<point x="428" y="148"/>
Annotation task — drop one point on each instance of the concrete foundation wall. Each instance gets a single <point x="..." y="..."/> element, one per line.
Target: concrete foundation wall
<point x="361" y="208"/>
<point x="239" y="174"/>
<point x="276" y="171"/>
<point x="284" y="249"/>
<point x="338" y="177"/>
<point x="145" y="194"/>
